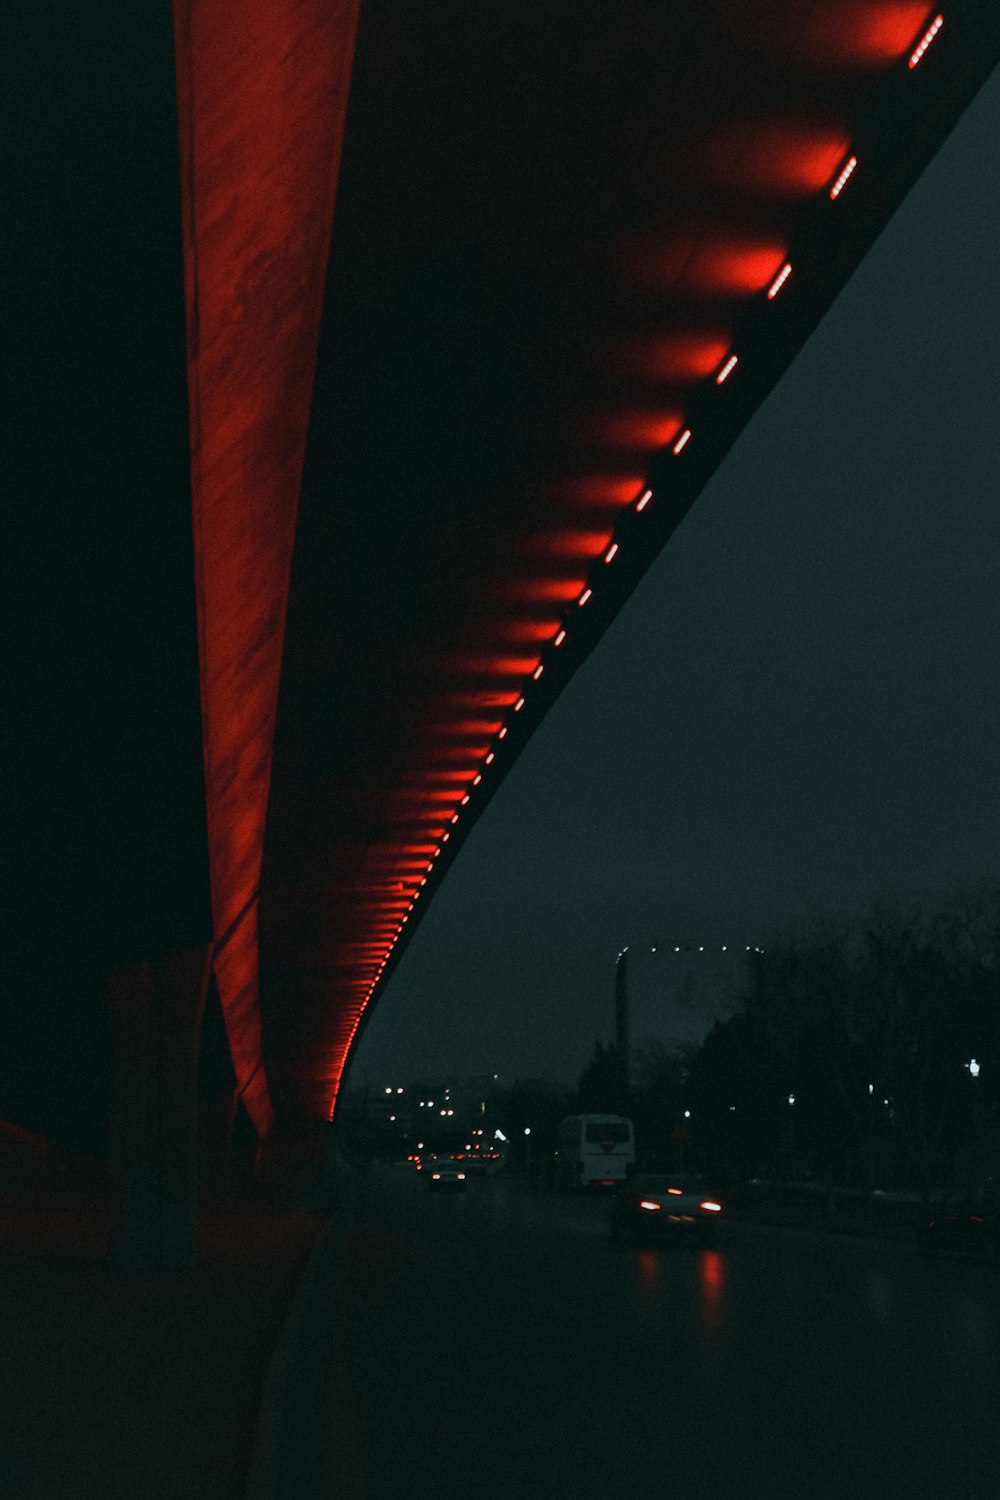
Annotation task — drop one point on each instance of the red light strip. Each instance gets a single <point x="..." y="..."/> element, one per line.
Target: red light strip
<point x="840" y="181"/>
<point x="644" y="499"/>
<point x="926" y="40"/>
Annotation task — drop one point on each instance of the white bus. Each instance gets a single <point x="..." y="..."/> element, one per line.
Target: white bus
<point x="594" y="1151"/>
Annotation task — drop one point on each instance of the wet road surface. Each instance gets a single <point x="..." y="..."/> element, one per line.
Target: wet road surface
<point x="494" y="1344"/>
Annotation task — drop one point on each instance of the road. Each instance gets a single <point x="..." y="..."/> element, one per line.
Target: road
<point x="495" y="1345"/>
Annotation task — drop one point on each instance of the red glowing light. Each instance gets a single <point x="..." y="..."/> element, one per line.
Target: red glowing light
<point x="779" y="281"/>
<point x="734" y="268"/>
<point x="570" y="544"/>
<point x="611" y="553"/>
<point x="840" y="181"/>
<point x="676" y="357"/>
<point x="632" y="429"/>
<point x="593" y="491"/>
<point x="727" y="369"/>
<point x="682" y="441"/>
<point x="926" y="40"/>
<point x="873" y="33"/>
<point x="528" y="631"/>
<point x="773" y="160"/>
<point x="584" y="596"/>
<point x="548" y="590"/>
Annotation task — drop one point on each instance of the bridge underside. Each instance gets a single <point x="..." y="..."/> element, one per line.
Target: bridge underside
<point x="574" y="247"/>
<point x="554" y="227"/>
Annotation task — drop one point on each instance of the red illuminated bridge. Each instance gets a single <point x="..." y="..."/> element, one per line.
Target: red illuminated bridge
<point x="437" y="323"/>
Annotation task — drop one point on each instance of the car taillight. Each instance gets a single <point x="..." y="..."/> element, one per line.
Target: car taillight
<point x="646" y="1203"/>
<point x="711" y="1206"/>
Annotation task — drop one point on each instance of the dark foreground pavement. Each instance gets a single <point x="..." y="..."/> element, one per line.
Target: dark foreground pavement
<point x="137" y="1384"/>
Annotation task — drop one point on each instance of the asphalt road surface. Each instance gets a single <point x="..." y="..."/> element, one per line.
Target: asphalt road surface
<point x="494" y="1344"/>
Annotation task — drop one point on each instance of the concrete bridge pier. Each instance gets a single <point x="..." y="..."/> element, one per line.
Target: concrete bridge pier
<point x="156" y="1015"/>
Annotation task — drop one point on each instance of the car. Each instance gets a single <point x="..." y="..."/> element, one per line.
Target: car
<point x="444" y="1174"/>
<point x="966" y="1223"/>
<point x="665" y="1206"/>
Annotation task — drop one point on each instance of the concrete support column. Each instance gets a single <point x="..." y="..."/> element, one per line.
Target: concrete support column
<point x="156" y="1011"/>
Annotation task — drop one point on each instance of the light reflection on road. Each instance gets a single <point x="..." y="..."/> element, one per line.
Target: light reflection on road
<point x="711" y="1287"/>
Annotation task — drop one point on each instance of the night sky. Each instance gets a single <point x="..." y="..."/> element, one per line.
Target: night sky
<point x="796" y="710"/>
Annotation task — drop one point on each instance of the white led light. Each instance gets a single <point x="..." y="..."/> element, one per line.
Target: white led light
<point x="477" y="779"/>
<point x="518" y="705"/>
<point x="779" y="281"/>
<point x="503" y="733"/>
<point x="538" y="671"/>
<point x="683" y="440"/>
<point x="559" y="638"/>
<point x="491" y="757"/>
<point x="926" y="40"/>
<point x="584" y="597"/>
<point x="644" y="499"/>
<point x="611" y="553"/>
<point x="727" y="369"/>
<point x="840" y="180"/>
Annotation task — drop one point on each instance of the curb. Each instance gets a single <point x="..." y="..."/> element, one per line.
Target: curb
<point x="265" y="1454"/>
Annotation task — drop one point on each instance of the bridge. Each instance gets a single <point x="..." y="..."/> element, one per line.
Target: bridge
<point x="435" y="326"/>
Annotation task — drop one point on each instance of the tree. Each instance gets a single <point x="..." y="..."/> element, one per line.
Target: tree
<point x="603" y="1086"/>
